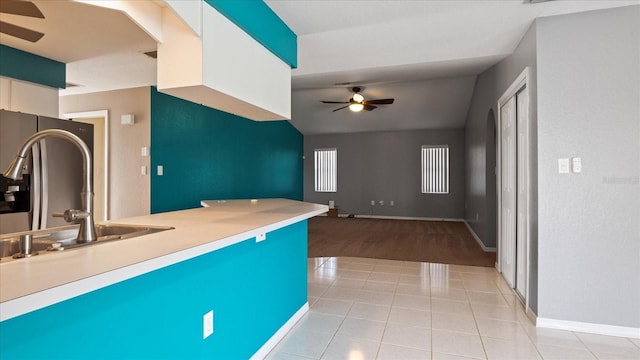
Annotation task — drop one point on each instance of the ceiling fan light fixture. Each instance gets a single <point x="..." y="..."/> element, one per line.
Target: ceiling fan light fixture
<point x="357" y="107"/>
<point x="357" y="102"/>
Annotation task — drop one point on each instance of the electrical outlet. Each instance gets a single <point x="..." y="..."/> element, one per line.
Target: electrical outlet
<point x="207" y="324"/>
<point x="373" y="203"/>
<point x="391" y="203"/>
<point x="160" y="170"/>
<point x="381" y="202"/>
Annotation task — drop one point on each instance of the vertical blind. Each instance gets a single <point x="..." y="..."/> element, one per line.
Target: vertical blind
<point x="326" y="170"/>
<point x="435" y="169"/>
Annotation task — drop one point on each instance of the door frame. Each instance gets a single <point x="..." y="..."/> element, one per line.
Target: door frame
<point x="521" y="81"/>
<point x="105" y="115"/>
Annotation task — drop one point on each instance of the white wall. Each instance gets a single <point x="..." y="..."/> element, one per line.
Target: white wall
<point x="26" y="97"/>
<point x="129" y="189"/>
<point x="589" y="223"/>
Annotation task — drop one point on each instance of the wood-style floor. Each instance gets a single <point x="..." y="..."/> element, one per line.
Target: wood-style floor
<point x="410" y="240"/>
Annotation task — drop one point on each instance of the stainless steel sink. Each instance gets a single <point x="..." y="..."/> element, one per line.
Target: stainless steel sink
<point x="65" y="237"/>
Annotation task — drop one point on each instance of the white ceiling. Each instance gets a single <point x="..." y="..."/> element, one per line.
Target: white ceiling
<point x="103" y="48"/>
<point x="425" y="54"/>
<point x="352" y="35"/>
<point x="396" y="49"/>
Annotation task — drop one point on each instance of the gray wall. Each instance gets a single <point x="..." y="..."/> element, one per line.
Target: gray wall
<point x="589" y="223"/>
<point x="480" y="190"/>
<point x="491" y="225"/>
<point x="386" y="166"/>
<point x="585" y="240"/>
<point x="480" y="179"/>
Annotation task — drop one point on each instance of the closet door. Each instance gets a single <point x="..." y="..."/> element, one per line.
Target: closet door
<point x="522" y="199"/>
<point x="508" y="160"/>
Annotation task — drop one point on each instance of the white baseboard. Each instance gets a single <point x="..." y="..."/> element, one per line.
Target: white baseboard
<point x="384" y="217"/>
<point x="279" y="335"/>
<point x="406" y="218"/>
<point x="475" y="236"/>
<point x="610" y="330"/>
<point x="528" y="312"/>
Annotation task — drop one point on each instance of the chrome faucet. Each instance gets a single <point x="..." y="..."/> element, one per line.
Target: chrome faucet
<point x="87" y="226"/>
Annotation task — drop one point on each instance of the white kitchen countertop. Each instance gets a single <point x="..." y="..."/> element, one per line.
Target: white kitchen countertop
<point x="33" y="283"/>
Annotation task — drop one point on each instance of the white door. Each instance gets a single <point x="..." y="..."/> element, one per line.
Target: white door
<point x="507" y="190"/>
<point x="522" y="198"/>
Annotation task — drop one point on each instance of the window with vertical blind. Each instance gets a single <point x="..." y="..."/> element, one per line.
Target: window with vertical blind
<point x="326" y="170"/>
<point x="435" y="169"/>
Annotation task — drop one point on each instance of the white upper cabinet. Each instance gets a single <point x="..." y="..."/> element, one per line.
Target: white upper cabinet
<point x="207" y="59"/>
<point x="26" y="97"/>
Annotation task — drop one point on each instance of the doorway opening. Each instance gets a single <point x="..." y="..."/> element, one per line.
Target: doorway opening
<point x="100" y="121"/>
<point x="512" y="188"/>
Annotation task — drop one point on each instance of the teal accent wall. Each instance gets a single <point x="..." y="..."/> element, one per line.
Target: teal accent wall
<point x="258" y="20"/>
<point x="25" y="66"/>
<point x="210" y="154"/>
<point x="253" y="289"/>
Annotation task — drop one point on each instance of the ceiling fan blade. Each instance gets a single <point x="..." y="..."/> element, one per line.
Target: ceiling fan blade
<point x="23" y="8"/>
<point x="20" y="32"/>
<point x="334" y="102"/>
<point x="340" y="108"/>
<point x="369" y="107"/>
<point x="379" y="101"/>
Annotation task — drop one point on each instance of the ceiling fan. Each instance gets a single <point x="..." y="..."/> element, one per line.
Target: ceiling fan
<point x="22" y="8"/>
<point x="358" y="103"/>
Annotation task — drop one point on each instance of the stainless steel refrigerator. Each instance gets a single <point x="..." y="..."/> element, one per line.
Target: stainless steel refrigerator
<point x="53" y="179"/>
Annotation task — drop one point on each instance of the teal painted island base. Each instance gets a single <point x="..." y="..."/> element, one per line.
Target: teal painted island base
<point x="253" y="288"/>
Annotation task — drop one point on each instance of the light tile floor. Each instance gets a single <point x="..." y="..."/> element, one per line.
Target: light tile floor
<point x="384" y="309"/>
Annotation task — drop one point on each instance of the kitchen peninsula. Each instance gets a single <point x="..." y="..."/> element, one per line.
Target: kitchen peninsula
<point x="146" y="297"/>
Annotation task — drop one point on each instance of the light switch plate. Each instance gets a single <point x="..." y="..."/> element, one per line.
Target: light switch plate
<point x="160" y="170"/>
<point x="563" y="166"/>
<point x="576" y="164"/>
